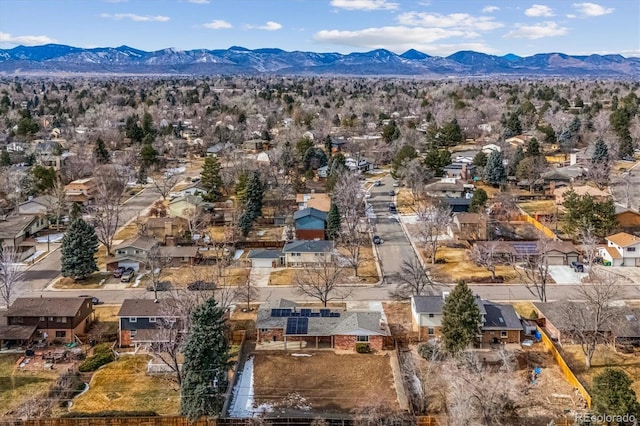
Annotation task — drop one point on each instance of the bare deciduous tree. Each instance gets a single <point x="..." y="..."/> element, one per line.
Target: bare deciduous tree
<point x="536" y="269"/>
<point x="10" y="274"/>
<point x="414" y="280"/>
<point x="321" y="281"/>
<point x="164" y="183"/>
<point x="433" y="222"/>
<point x="111" y="183"/>
<point x="247" y="293"/>
<point x="591" y="318"/>
<point x="484" y="255"/>
<point x="155" y="263"/>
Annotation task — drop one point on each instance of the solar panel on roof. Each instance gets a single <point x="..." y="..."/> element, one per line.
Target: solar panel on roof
<point x="275" y="312"/>
<point x="305" y="312"/>
<point x="295" y="314"/>
<point x="334" y="314"/>
<point x="314" y="314"/>
<point x="325" y="312"/>
<point x="285" y="312"/>
<point x="297" y="325"/>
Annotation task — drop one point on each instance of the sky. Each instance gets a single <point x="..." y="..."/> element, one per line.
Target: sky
<point x="435" y="27"/>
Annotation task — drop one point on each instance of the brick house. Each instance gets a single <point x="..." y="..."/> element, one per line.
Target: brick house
<point x="80" y="191"/>
<point x="17" y="232"/>
<point x="499" y="323"/>
<point x="298" y="327"/>
<point x="142" y="322"/>
<point x="131" y="253"/>
<point x="468" y="226"/>
<point x="52" y="318"/>
<point x="165" y="228"/>
<point x="307" y="253"/>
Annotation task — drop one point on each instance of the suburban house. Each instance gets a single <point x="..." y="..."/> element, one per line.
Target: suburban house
<point x="297" y="327"/>
<point x="560" y="319"/>
<point x="445" y="188"/>
<point x="16" y="232"/>
<point x="317" y="201"/>
<point x="131" y="253"/>
<point x="80" y="191"/>
<point x="468" y="226"/>
<point x="628" y="219"/>
<point x="179" y="255"/>
<point x="42" y="205"/>
<point x="622" y="249"/>
<point x="499" y="323"/>
<point x="194" y="189"/>
<point x="361" y="165"/>
<point x="49" y="319"/>
<point x="307" y="252"/>
<point x="460" y="170"/>
<point x="165" y="228"/>
<point x="142" y="322"/>
<point x="557" y="252"/>
<point x="310" y="223"/>
<point x="266" y="258"/>
<point x="579" y="190"/>
<point x="185" y="206"/>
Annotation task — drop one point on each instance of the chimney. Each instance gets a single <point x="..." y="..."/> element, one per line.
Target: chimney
<point x="382" y="324"/>
<point x="445" y="294"/>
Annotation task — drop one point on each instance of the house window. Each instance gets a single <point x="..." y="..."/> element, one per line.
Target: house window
<point x="295" y="254"/>
<point x="430" y="315"/>
<point x="132" y="333"/>
<point x="431" y="331"/>
<point x="152" y="319"/>
<point x="50" y="318"/>
<point x="42" y="318"/>
<point x="63" y="320"/>
<point x="362" y="339"/>
<point x="631" y="249"/>
<point x="61" y="334"/>
<point x="120" y="252"/>
<point x="133" y="319"/>
<point x="504" y="334"/>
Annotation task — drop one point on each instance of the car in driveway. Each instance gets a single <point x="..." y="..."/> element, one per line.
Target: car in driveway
<point x="577" y="266"/>
<point x="377" y="183"/>
<point x="127" y="275"/>
<point x="392" y="193"/>
<point x="117" y="273"/>
<point x="377" y="239"/>
<point x="392" y="208"/>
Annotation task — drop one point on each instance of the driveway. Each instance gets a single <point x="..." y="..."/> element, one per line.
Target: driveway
<point x="563" y="274"/>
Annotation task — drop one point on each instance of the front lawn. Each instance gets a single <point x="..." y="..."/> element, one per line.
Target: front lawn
<point x="95" y="280"/>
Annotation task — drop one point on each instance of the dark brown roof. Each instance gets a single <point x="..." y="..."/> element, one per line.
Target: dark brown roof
<point x="141" y="308"/>
<point x="47" y="306"/>
<point x="17" y="332"/>
<point x="139" y="242"/>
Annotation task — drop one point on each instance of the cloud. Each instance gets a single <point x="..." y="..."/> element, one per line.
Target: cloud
<point x="134" y="17"/>
<point x="539" y="10"/>
<point x="26" y="40"/>
<point x="462" y="21"/>
<point x="533" y="32"/>
<point x="269" y="26"/>
<point x="490" y="9"/>
<point x="199" y="1"/>
<point x="571" y="15"/>
<point x="218" y="24"/>
<point x="592" y="9"/>
<point x="364" y="4"/>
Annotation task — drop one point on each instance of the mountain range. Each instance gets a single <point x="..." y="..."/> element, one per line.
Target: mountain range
<point x="55" y="58"/>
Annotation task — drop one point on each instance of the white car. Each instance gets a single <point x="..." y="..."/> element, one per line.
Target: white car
<point x="396" y="184"/>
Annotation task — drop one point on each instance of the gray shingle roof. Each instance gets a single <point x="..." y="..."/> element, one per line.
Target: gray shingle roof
<point x="310" y="211"/>
<point x="434" y="304"/>
<point x="501" y="317"/>
<point x="46" y="306"/>
<point x="264" y="254"/>
<point x="141" y="308"/>
<point x="140" y="242"/>
<point x="308" y="246"/>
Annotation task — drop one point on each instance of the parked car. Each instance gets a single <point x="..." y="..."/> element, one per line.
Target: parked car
<point x="377" y="183"/>
<point x="94" y="299"/>
<point x="127" y="275"/>
<point x="396" y="183"/>
<point x="117" y="273"/>
<point x="202" y="285"/>
<point x="161" y="286"/>
<point x="377" y="239"/>
<point x="392" y="193"/>
<point x="392" y="208"/>
<point x="577" y="266"/>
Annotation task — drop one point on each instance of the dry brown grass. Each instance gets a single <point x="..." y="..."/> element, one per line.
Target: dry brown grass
<point x="458" y="267"/>
<point x="523" y="308"/>
<point x="107" y="313"/>
<point x="17" y="386"/>
<point x="285" y="276"/>
<point x="367" y="271"/>
<point x="539" y="206"/>
<point x="182" y="276"/>
<point x="124" y="385"/>
<point x="490" y="190"/>
<point x="603" y="358"/>
<point x="329" y="382"/>
<point x="405" y="201"/>
<point x="92" y="281"/>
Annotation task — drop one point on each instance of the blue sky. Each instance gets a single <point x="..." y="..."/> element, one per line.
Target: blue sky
<point x="435" y="27"/>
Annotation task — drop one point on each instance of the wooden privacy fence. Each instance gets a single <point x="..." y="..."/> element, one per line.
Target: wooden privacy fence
<point x="539" y="226"/>
<point x="564" y="367"/>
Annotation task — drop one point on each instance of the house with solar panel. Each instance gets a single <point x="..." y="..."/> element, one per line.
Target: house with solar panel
<point x="556" y="252"/>
<point x="500" y="324"/>
<point x="284" y="324"/>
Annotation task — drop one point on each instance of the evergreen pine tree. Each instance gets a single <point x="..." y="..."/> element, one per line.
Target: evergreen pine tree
<point x="478" y="200"/>
<point x="494" y="173"/>
<point x="210" y="177"/>
<point x="245" y="223"/>
<point x="255" y="193"/>
<point x="613" y="395"/>
<point x="600" y="153"/>
<point x="518" y="156"/>
<point x="241" y="189"/>
<point x="101" y="153"/>
<point x="206" y="363"/>
<point x="79" y="246"/>
<point x="460" y="319"/>
<point x="141" y="177"/>
<point x="334" y="222"/>
<point x="5" y="159"/>
<point x="533" y="148"/>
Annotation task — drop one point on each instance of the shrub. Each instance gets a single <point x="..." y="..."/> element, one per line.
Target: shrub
<point x="533" y="314"/>
<point x="363" y="348"/>
<point x="102" y="354"/>
<point x="430" y="351"/>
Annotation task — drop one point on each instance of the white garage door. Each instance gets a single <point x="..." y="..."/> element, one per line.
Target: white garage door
<point x="262" y="263"/>
<point x="555" y="260"/>
<point x="134" y="265"/>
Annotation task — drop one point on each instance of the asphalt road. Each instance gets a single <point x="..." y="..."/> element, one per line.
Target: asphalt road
<point x="396" y="247"/>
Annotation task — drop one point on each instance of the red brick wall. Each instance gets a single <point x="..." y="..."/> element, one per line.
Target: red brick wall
<point x="267" y="336"/>
<point x="125" y="338"/>
<point x="309" y="234"/>
<point x="424" y="333"/>
<point x="348" y="343"/>
<point x="513" y="336"/>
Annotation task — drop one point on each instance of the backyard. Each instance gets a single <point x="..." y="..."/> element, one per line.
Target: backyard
<point x="324" y="381"/>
